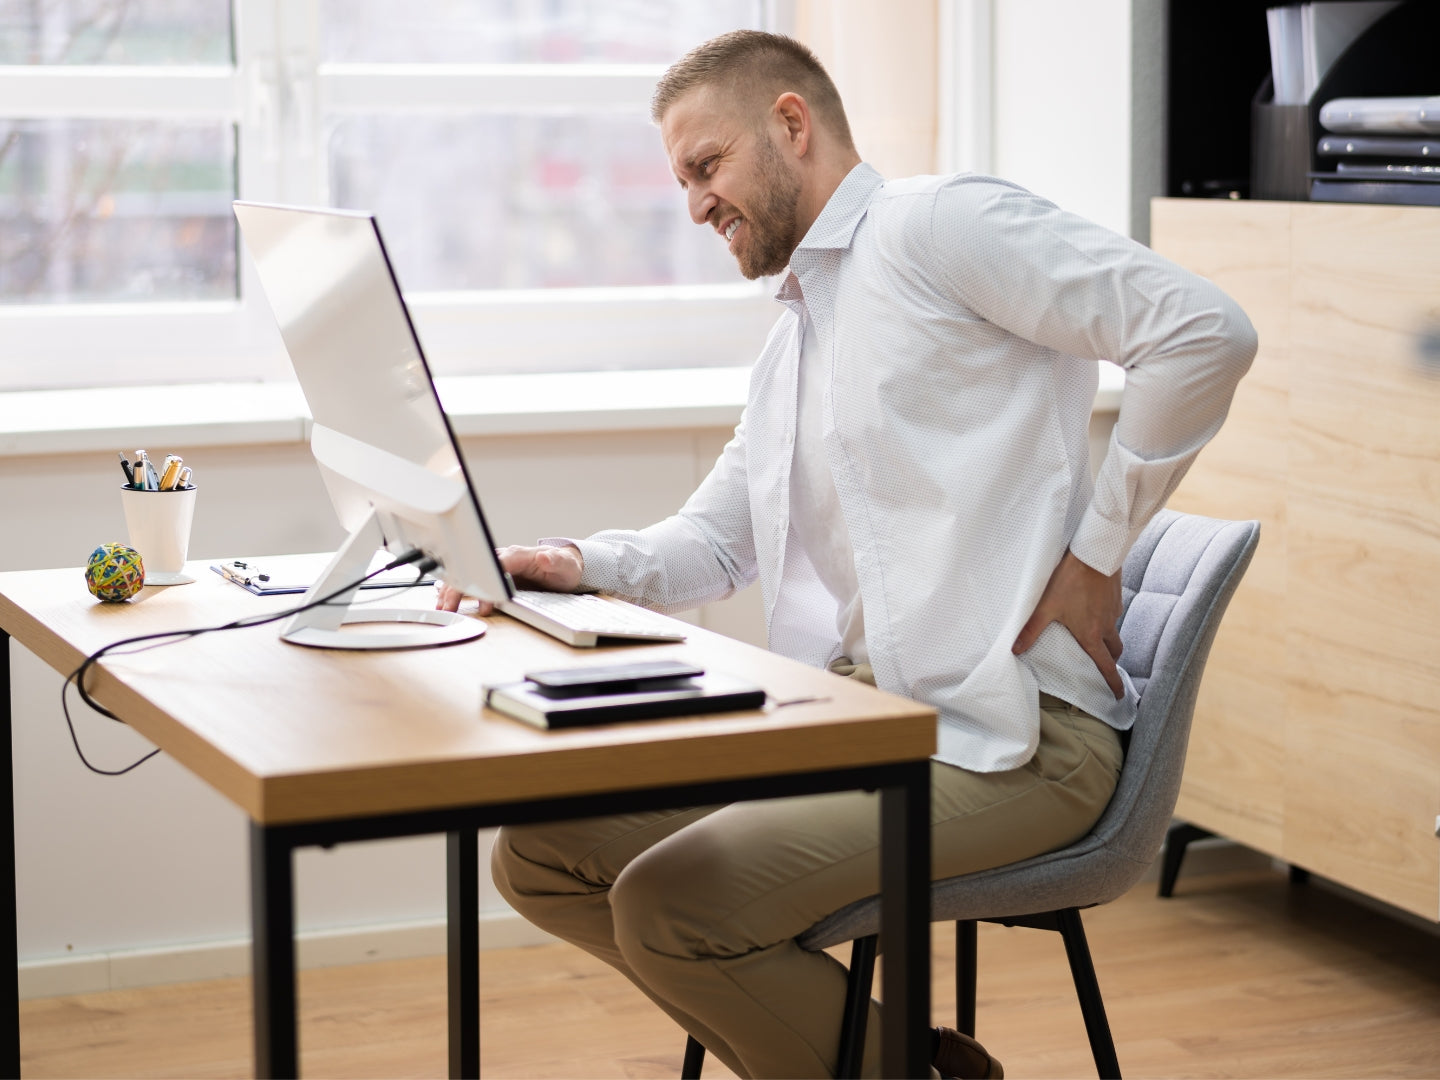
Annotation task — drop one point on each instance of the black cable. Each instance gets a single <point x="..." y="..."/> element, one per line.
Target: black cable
<point x="171" y="637"/>
<point x="388" y="591"/>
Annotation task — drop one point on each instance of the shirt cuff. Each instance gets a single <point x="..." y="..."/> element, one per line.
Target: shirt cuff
<point x="1102" y="544"/>
<point x="600" y="566"/>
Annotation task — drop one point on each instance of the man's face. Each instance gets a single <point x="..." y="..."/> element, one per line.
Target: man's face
<point x="736" y="180"/>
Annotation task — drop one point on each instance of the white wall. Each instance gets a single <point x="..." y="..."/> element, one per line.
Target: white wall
<point x="1062" y="103"/>
<point x="1078" y="104"/>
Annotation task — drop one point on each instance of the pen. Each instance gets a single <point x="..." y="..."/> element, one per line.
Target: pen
<point x="184" y="481"/>
<point x="231" y="572"/>
<point x="129" y="475"/>
<point x="149" y="480"/>
<point x="172" y="470"/>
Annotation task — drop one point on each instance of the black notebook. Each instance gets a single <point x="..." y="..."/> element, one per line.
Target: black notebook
<point x="709" y="693"/>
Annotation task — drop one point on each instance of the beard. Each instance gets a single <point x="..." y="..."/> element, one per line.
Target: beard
<point x="771" y="217"/>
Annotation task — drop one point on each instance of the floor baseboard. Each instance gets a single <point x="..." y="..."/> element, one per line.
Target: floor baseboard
<point x="131" y="968"/>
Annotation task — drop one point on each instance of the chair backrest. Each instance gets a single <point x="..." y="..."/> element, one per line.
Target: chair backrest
<point x="1177" y="582"/>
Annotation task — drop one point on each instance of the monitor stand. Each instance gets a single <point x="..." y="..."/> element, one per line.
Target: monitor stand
<point x="320" y="626"/>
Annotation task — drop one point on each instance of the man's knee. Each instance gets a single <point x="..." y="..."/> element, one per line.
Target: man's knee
<point x="575" y="857"/>
<point x="530" y="861"/>
<point x="506" y="863"/>
<point x="673" y="901"/>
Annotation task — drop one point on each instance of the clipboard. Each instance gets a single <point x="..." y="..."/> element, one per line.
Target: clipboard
<point x="251" y="575"/>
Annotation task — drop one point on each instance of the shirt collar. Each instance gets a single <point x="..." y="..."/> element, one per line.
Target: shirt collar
<point x="836" y="225"/>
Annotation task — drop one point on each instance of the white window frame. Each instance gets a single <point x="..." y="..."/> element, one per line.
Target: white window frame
<point x="967" y="89"/>
<point x="277" y="94"/>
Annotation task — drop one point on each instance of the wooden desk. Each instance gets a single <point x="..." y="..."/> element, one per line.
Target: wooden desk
<point x="323" y="747"/>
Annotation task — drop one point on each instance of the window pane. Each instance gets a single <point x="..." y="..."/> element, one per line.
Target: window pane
<point x="524" y="31"/>
<point x="101" y="210"/>
<point x="523" y="202"/>
<point x="115" y="32"/>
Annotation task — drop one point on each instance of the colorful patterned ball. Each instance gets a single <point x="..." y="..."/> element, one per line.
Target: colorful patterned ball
<point x="115" y="572"/>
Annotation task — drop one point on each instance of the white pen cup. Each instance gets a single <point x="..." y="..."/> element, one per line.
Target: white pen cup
<point x="159" y="524"/>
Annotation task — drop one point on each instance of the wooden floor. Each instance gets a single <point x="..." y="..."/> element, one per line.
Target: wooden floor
<point x="1237" y="976"/>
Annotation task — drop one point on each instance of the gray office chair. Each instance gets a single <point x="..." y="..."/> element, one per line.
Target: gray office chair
<point x="1177" y="581"/>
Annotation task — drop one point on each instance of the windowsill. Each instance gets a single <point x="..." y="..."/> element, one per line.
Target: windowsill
<point x="252" y="414"/>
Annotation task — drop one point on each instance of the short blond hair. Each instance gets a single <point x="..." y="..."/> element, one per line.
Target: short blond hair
<point x="755" y="67"/>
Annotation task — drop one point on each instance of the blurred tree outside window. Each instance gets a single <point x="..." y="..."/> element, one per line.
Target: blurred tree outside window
<point x="115" y="209"/>
<point x="504" y="145"/>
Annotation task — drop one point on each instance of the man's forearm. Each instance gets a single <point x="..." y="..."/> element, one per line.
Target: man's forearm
<point x="669" y="566"/>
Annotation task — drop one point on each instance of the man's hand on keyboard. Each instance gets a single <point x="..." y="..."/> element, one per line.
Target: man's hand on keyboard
<point x="554" y="568"/>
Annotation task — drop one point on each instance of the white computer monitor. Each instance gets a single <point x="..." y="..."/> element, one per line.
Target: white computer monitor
<point x="386" y="451"/>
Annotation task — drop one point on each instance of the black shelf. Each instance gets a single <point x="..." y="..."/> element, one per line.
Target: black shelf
<point x="1218" y="65"/>
<point x="1218" y="54"/>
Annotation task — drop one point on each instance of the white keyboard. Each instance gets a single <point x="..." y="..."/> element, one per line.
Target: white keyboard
<point x="587" y="614"/>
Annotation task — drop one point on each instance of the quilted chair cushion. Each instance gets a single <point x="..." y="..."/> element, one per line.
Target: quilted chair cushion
<point x="1176" y="582"/>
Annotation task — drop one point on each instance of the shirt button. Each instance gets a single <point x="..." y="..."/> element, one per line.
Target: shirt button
<point x="789" y="438"/>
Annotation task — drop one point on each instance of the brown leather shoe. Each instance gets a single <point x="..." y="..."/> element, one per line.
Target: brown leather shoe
<point x="958" y="1055"/>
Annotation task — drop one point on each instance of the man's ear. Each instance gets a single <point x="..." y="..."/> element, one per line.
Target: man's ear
<point x="792" y="112"/>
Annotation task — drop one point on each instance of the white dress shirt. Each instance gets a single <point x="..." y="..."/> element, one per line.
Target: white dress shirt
<point x="957" y="320"/>
<point x="817" y="522"/>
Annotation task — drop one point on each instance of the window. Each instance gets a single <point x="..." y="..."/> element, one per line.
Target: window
<point x="504" y="145"/>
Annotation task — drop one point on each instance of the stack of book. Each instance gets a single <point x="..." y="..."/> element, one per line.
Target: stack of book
<point x="1381" y="150"/>
<point x="613" y="693"/>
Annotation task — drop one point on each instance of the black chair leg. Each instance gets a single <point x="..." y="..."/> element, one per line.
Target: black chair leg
<point x="694" y="1059"/>
<point x="1087" y="987"/>
<point x="860" y="983"/>
<point x="1176" y="841"/>
<point x="965" y="961"/>
<point x="858" y="987"/>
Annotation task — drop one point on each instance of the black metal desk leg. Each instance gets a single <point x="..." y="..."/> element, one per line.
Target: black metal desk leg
<point x="905" y="923"/>
<point x="9" y="984"/>
<point x="462" y="918"/>
<point x="272" y="953"/>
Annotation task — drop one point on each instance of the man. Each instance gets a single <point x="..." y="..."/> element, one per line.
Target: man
<point x="910" y="485"/>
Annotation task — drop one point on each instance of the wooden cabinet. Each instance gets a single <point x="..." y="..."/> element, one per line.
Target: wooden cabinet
<point x="1317" y="733"/>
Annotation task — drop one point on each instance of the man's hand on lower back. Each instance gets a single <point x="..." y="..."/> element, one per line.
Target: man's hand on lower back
<point x="556" y="569"/>
<point x="1088" y="604"/>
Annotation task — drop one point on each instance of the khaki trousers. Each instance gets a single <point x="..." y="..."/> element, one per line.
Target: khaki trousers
<point x="700" y="907"/>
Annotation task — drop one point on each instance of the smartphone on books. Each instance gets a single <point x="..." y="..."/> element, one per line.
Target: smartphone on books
<point x="598" y="679"/>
